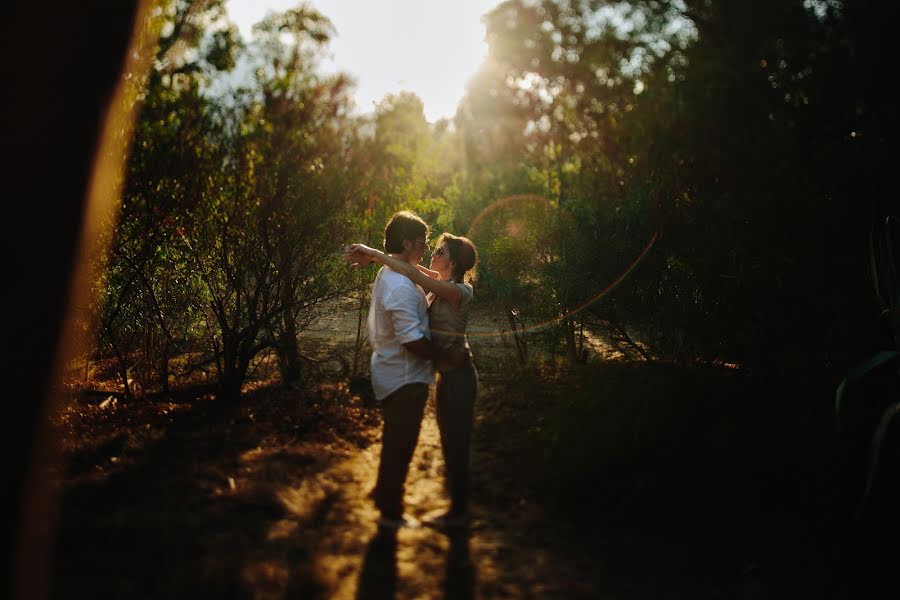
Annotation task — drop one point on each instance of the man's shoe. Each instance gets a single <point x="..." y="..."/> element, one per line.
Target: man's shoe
<point x="401" y="522"/>
<point x="448" y="521"/>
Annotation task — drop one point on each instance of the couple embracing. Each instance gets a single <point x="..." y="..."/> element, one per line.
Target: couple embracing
<point x="417" y="327"/>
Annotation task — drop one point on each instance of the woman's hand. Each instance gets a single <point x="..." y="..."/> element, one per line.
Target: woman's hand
<point x="359" y="255"/>
<point x="363" y="249"/>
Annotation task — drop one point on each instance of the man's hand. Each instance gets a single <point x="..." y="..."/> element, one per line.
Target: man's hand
<point x="456" y="356"/>
<point x="421" y="347"/>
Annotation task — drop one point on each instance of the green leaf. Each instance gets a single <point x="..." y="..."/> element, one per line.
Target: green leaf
<point x="859" y="372"/>
<point x="893" y="283"/>
<point x="878" y="441"/>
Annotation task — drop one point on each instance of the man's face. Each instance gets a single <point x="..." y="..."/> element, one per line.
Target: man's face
<point x="418" y="250"/>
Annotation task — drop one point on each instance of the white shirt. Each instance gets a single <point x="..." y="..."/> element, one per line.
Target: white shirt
<point x="398" y="315"/>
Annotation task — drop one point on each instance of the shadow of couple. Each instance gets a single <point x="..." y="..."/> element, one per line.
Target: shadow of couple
<point x="378" y="577"/>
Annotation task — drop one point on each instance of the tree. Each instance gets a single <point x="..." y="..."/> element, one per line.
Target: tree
<point x="300" y="134"/>
<point x="145" y="284"/>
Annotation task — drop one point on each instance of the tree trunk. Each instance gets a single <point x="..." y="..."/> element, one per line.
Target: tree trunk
<point x="231" y="379"/>
<point x="288" y="351"/>
<point x="571" y="342"/>
<point x="164" y="368"/>
<point x="289" y="362"/>
<point x="357" y="348"/>
<point x="122" y="364"/>
<point x="521" y="347"/>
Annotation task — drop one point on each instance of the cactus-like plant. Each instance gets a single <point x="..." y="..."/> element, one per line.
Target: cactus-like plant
<point x="882" y="262"/>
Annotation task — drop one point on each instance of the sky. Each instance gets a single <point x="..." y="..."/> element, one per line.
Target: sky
<point x="430" y="47"/>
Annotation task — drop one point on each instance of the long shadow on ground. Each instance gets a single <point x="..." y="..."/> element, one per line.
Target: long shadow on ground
<point x="194" y="515"/>
<point x="620" y="481"/>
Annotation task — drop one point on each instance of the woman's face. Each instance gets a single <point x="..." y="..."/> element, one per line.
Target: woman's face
<point x="440" y="259"/>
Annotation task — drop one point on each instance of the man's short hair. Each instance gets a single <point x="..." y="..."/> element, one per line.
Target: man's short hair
<point x="404" y="225"/>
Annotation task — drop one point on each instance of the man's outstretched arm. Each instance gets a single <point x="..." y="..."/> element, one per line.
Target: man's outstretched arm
<point x="422" y="347"/>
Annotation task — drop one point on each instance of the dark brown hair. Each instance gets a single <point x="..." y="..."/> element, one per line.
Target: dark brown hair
<point x="463" y="254"/>
<point x="404" y="225"/>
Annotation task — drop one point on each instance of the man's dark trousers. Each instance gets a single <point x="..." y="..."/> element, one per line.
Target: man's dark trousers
<point x="402" y="411"/>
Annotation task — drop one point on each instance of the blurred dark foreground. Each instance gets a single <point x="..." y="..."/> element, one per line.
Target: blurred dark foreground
<point x="625" y="480"/>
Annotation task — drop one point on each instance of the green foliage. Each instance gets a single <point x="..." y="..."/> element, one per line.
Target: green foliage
<point x="612" y="420"/>
<point x="879" y="441"/>
<point x="714" y="129"/>
<point x="622" y="436"/>
<point x="648" y="117"/>
<point x="233" y="213"/>
<point x="858" y="373"/>
<point x="885" y="282"/>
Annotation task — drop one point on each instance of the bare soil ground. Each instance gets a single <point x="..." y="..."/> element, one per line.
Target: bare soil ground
<point x="269" y="499"/>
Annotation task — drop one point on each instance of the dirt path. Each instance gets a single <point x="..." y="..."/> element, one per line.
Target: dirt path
<point x="271" y="501"/>
<point x="354" y="560"/>
<point x="351" y="559"/>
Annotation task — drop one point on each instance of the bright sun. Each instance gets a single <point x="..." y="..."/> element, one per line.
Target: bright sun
<point x="429" y="47"/>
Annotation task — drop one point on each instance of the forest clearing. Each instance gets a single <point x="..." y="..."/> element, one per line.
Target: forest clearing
<point x="269" y="498"/>
<point x="641" y="271"/>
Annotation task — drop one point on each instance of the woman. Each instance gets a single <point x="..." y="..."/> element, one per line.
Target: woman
<point x="450" y="300"/>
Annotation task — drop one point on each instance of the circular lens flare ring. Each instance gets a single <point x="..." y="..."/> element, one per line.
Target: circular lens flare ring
<point x="533" y="198"/>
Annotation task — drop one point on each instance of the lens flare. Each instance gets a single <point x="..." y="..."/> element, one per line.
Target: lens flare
<point x="514" y="228"/>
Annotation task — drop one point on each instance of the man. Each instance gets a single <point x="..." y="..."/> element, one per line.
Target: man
<point x="401" y="362"/>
